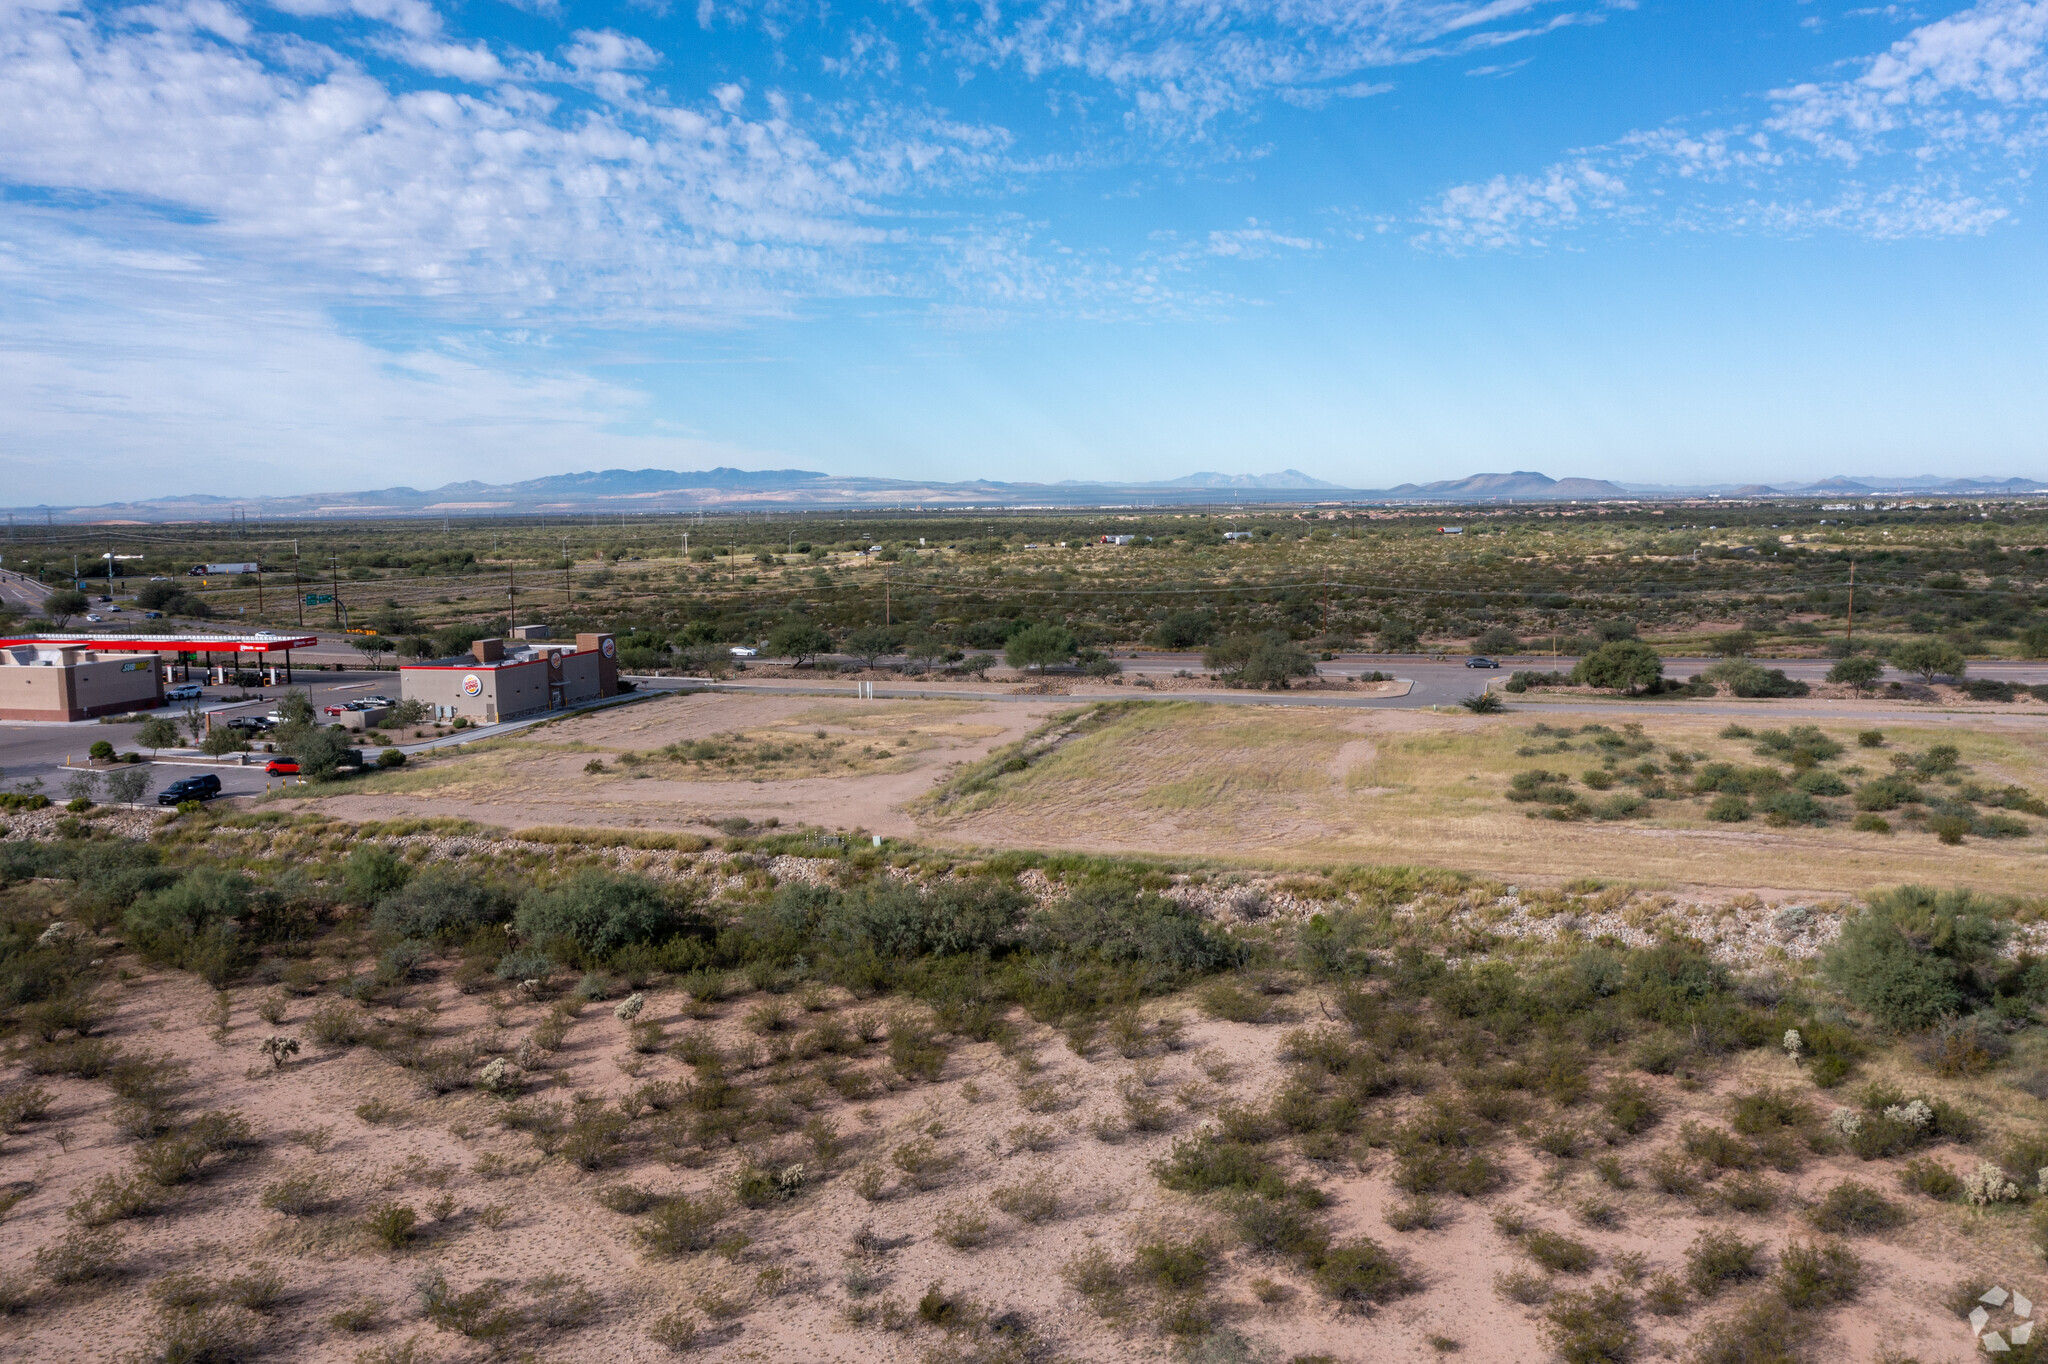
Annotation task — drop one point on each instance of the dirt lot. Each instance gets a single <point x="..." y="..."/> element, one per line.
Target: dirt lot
<point x="840" y="764"/>
<point x="1285" y="785"/>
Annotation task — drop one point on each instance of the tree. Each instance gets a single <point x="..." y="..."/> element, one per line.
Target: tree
<point x="1266" y="661"/>
<point x="59" y="607"/>
<point x="798" y="639"/>
<point x="128" y="785"/>
<point x="926" y="649"/>
<point x="2034" y="641"/>
<point x="1497" y="640"/>
<point x="408" y="712"/>
<point x="1397" y="636"/>
<point x="1929" y="658"/>
<point x="870" y="642"/>
<point x="294" y="707"/>
<point x="1620" y="665"/>
<point x="1040" y="644"/>
<point x="421" y="647"/>
<point x="370" y="646"/>
<point x="1858" y="672"/>
<point x="156" y="734"/>
<point x="1734" y="644"/>
<point x="321" y="752"/>
<point x="221" y="740"/>
<point x="1185" y="630"/>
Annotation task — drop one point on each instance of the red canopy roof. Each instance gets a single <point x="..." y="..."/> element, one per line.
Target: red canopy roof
<point x="167" y="644"/>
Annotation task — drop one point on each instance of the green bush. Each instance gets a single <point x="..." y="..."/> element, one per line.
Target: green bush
<point x="1361" y="1271"/>
<point x="441" y="903"/>
<point x="371" y="873"/>
<point x="598" y="912"/>
<point x="1728" y="808"/>
<point x="1850" y="1207"/>
<point x="1718" y="1258"/>
<point x="1913" y="956"/>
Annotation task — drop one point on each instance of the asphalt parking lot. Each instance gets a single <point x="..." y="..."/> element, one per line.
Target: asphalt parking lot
<point x="31" y="752"/>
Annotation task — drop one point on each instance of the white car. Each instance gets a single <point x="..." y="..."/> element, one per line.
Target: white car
<point x="94" y="619"/>
<point x="742" y="651"/>
<point x="188" y="691"/>
<point x="372" y="702"/>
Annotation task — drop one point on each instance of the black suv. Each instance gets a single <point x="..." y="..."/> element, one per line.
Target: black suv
<point x="204" y="787"/>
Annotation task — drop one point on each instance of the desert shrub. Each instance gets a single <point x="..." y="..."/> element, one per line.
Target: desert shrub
<point x="598" y="913"/>
<point x="680" y="1225"/>
<point x="1361" y="1272"/>
<point x="1932" y="1177"/>
<point x="372" y="872"/>
<point x="1630" y="1107"/>
<point x="915" y="1051"/>
<point x="1596" y="1326"/>
<point x="1728" y="808"/>
<point x="203" y="1335"/>
<point x="1524" y="1286"/>
<point x="1750" y="1194"/>
<point x="1768" y="1110"/>
<point x="1030" y="1200"/>
<point x="1208" y="1161"/>
<point x="1557" y="1252"/>
<point x="1414" y="1214"/>
<point x="1096" y="1277"/>
<point x="441" y="903"/>
<point x="1765" y="1332"/>
<point x="1276" y="1227"/>
<point x="1173" y="1264"/>
<point x="338" y="1024"/>
<point x="1812" y="1276"/>
<point x="1436" y="1152"/>
<point x="296" y="1194"/>
<point x="392" y="1223"/>
<point x="84" y="1255"/>
<point x="1666" y="1295"/>
<point x="962" y="1228"/>
<point x="921" y="1162"/>
<point x="1850" y="1207"/>
<point x="1718" y="1258"/>
<point x="1913" y="956"/>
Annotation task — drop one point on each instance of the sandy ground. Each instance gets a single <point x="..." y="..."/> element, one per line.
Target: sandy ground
<point x="787" y="1284"/>
<point x="542" y="781"/>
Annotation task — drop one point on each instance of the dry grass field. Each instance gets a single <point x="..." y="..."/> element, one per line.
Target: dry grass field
<point x="1319" y="786"/>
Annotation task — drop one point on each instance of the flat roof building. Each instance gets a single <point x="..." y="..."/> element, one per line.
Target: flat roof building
<point x="492" y="682"/>
<point x="62" y="681"/>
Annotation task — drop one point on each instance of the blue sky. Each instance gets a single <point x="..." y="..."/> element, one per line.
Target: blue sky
<point x="329" y="244"/>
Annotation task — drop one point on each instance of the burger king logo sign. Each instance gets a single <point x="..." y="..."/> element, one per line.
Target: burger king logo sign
<point x="472" y="685"/>
<point x="607" y="648"/>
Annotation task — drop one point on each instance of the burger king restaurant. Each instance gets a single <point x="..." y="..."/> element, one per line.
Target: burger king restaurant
<point x="495" y="681"/>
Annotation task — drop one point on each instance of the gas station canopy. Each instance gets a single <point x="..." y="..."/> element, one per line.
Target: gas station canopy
<point x="167" y="644"/>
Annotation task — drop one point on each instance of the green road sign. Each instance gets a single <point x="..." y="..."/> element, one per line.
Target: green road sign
<point x="319" y="598"/>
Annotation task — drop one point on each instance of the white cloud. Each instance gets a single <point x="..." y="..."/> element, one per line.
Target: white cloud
<point x="1182" y="64"/>
<point x="469" y="62"/>
<point x="1929" y="138"/>
<point x="174" y="392"/>
<point x="522" y="200"/>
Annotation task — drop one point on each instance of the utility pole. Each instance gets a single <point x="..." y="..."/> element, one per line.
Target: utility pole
<point x="885" y="598"/>
<point x="1326" y="603"/>
<point x="334" y="563"/>
<point x="298" y="592"/>
<point x="512" y="600"/>
<point x="259" y="581"/>
<point x="1852" y="605"/>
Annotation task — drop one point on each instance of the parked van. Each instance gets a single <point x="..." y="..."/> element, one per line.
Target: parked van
<point x="188" y="691"/>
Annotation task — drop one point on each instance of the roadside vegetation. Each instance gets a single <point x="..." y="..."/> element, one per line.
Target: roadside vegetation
<point x="724" y="1047"/>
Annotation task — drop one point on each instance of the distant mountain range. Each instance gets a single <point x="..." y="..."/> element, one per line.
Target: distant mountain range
<point x="670" y="491"/>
